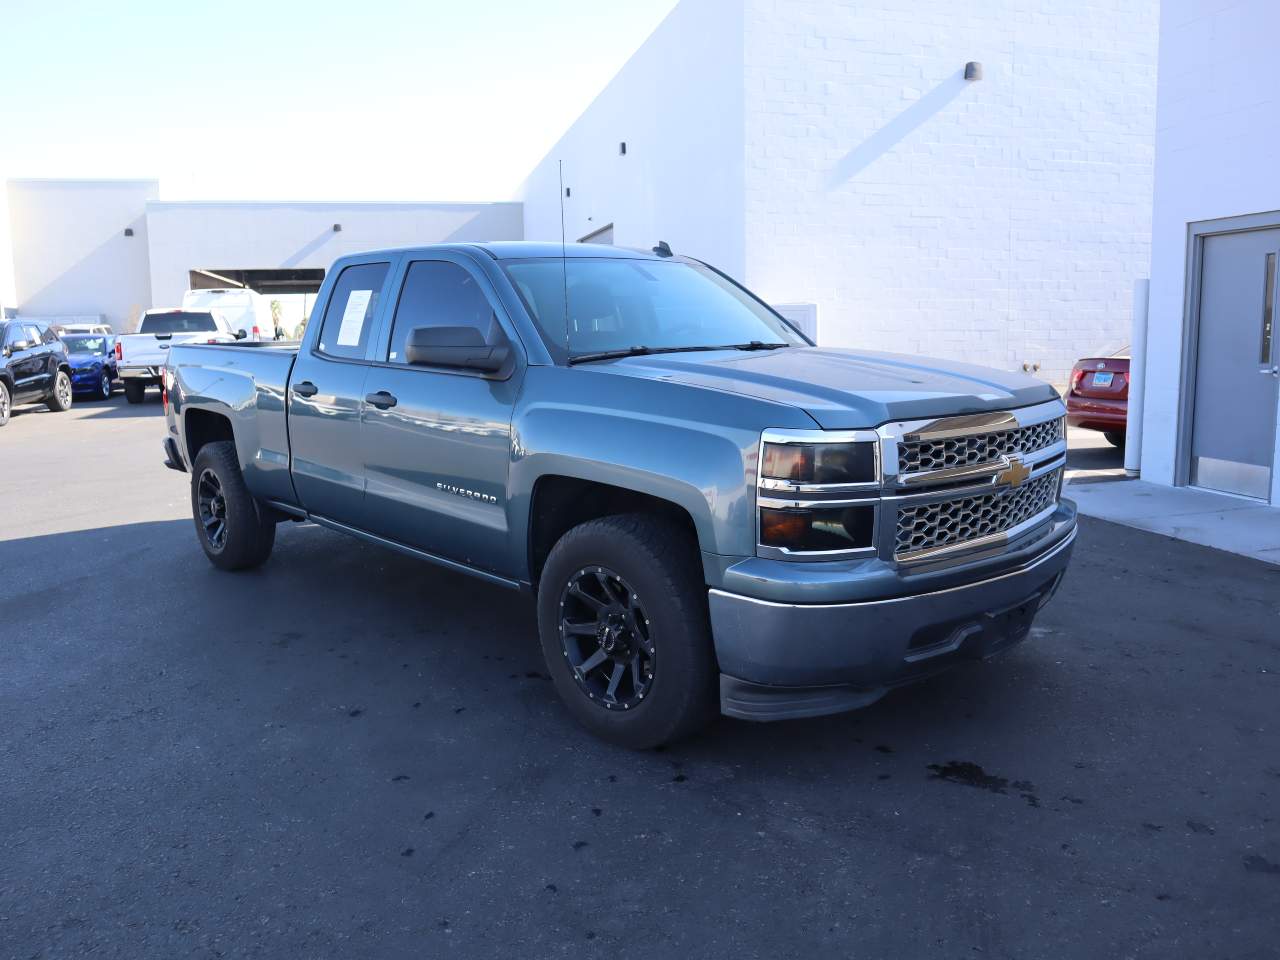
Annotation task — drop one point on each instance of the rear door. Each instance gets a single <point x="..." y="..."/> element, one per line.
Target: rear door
<point x="46" y="360"/>
<point x="326" y="394"/>
<point x="437" y="441"/>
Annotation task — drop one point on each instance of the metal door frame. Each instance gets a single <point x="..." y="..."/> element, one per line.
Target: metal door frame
<point x="1197" y="233"/>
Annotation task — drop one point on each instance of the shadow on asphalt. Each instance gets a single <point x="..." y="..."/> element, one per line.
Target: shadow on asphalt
<point x="356" y="751"/>
<point x="1101" y="457"/>
<point x="117" y="408"/>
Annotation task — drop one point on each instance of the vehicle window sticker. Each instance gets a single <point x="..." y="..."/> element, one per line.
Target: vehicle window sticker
<point x="353" y="318"/>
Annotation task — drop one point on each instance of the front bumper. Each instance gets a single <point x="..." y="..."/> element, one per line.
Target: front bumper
<point x="782" y="660"/>
<point x="86" y="378"/>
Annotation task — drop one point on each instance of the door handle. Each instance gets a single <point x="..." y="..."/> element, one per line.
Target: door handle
<point x="306" y="389"/>
<point x="382" y="400"/>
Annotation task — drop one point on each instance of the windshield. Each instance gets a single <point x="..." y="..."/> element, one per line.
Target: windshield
<point x="178" y="321"/>
<point x="620" y="304"/>
<point x="80" y="343"/>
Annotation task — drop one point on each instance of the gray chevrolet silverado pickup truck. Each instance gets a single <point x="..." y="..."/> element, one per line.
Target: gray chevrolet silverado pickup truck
<point x="712" y="512"/>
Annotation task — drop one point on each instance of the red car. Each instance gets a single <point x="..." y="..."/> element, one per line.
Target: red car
<point x="1099" y="396"/>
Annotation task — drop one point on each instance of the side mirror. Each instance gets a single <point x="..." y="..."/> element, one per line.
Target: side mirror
<point x="240" y="334"/>
<point x="6" y="350"/>
<point x="463" y="347"/>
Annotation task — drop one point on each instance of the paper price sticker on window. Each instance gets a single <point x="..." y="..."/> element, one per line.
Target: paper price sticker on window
<point x="353" y="318"/>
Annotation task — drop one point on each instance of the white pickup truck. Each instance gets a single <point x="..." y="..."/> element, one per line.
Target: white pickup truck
<point x="141" y="356"/>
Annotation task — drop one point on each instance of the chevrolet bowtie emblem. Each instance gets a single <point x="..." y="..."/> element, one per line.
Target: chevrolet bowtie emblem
<point x="1014" y="473"/>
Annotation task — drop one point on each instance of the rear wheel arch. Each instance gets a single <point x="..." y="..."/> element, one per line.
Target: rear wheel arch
<point x="202" y="427"/>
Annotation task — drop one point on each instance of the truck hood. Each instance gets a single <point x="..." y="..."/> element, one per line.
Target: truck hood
<point x="844" y="389"/>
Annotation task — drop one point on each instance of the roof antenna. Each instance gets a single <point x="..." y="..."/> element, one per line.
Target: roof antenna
<point x="662" y="249"/>
<point x="564" y="263"/>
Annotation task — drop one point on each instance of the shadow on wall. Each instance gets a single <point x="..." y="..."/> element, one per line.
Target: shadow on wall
<point x="472" y="229"/>
<point x="896" y="130"/>
<point x="83" y="276"/>
<point x="307" y="249"/>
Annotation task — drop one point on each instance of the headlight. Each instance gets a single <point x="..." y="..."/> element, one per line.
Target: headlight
<point x="817" y="528"/>
<point x="818" y="493"/>
<point x="819" y="462"/>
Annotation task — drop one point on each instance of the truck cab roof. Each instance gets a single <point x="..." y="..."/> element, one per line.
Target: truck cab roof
<point x="523" y="249"/>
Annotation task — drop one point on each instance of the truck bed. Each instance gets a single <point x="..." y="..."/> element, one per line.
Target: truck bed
<point x="249" y="383"/>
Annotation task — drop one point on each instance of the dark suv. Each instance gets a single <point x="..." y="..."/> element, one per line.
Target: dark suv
<point x="33" y="367"/>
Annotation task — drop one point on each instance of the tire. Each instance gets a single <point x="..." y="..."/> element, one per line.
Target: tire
<point x="135" y="392"/>
<point x="657" y="563"/>
<point x="104" y="386"/>
<point x="6" y="402"/>
<point x="60" y="399"/>
<point x="1115" y="438"/>
<point x="233" y="530"/>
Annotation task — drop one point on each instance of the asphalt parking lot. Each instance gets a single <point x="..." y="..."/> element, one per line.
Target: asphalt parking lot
<point x="351" y="754"/>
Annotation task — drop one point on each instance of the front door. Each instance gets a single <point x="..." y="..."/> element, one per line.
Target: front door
<point x="437" y="441"/>
<point x="26" y="365"/>
<point x="1237" y="384"/>
<point x="326" y="396"/>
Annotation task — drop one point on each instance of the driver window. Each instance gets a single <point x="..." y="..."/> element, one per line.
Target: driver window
<point x="438" y="293"/>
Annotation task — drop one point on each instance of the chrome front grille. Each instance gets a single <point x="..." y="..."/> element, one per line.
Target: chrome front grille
<point x="929" y="526"/>
<point x="966" y="451"/>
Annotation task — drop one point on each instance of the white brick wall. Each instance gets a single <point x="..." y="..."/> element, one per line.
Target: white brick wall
<point x="998" y="221"/>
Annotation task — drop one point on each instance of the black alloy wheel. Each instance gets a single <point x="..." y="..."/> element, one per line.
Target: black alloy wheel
<point x="624" y="630"/>
<point x="607" y="638"/>
<point x="213" y="509"/>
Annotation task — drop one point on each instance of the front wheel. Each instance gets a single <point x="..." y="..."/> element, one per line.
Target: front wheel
<point x="5" y="403"/>
<point x="60" y="400"/>
<point x="622" y="616"/>
<point x="231" y="527"/>
<point x="104" y="386"/>
<point x="135" y="392"/>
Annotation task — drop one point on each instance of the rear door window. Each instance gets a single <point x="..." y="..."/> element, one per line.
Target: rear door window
<point x="439" y="293"/>
<point x="348" y="317"/>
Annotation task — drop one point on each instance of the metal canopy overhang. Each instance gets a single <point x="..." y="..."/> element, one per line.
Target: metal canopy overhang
<point x="266" y="282"/>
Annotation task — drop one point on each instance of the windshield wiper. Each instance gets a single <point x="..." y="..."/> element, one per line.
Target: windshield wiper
<point x="641" y="351"/>
<point x="754" y="345"/>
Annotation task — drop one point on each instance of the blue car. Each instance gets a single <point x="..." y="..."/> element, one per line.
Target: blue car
<point x="93" y="363"/>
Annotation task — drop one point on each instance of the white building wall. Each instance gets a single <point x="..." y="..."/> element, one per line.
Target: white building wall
<point x="1000" y="221"/>
<point x="678" y="105"/>
<point x="187" y="236"/>
<point x="8" y="296"/>
<point x="1217" y="155"/>
<point x="70" y="253"/>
